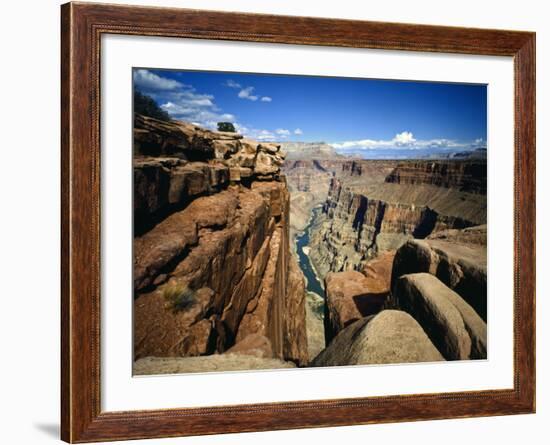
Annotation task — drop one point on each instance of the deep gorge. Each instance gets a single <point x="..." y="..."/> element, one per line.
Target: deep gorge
<point x="227" y="233"/>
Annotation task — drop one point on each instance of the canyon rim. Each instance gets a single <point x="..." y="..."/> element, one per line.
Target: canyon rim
<point x="257" y="246"/>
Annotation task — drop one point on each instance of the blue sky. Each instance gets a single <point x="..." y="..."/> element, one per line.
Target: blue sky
<point x="351" y="114"/>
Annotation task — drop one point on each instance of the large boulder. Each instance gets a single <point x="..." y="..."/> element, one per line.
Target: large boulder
<point x="452" y="325"/>
<point x="389" y="337"/>
<point x="348" y="299"/>
<point x="462" y="267"/>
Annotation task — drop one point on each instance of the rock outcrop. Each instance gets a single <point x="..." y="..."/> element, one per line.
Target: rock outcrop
<point x="212" y="264"/>
<point x="461" y="267"/>
<point x="389" y="337"/>
<point x="176" y="162"/>
<point x="348" y="299"/>
<point x="452" y="325"/>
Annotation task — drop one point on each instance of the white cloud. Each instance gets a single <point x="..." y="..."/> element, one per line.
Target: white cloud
<point x="147" y="80"/>
<point x="232" y="84"/>
<point x="282" y="132"/>
<point x="255" y="133"/>
<point x="191" y="98"/>
<point x="196" y="114"/>
<point x="264" y="135"/>
<point x="184" y="102"/>
<point x="480" y="142"/>
<point x="406" y="140"/>
<point x="246" y="93"/>
<point x="298" y="132"/>
<point x="180" y="101"/>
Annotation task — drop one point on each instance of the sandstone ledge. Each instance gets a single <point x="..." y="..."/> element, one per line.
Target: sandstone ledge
<point x="211" y="363"/>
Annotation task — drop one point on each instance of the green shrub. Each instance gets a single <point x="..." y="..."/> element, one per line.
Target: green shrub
<point x="178" y="297"/>
<point x="226" y="126"/>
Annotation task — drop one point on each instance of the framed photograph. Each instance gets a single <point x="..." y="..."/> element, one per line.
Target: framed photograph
<point x="275" y="222"/>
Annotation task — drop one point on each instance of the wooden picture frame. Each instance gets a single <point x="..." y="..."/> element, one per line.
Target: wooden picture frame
<point x="82" y="26"/>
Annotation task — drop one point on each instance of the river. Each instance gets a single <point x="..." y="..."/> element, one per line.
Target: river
<point x="302" y="240"/>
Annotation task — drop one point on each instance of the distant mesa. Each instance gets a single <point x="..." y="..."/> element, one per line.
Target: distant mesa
<point x="309" y="150"/>
<point x="478" y="153"/>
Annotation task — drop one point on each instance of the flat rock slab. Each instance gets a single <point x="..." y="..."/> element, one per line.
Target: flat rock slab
<point x="211" y="363"/>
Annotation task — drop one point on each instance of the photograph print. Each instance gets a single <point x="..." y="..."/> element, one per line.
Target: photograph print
<point x="285" y="221"/>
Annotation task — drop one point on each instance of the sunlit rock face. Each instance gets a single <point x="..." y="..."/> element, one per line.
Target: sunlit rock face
<point x="212" y="263"/>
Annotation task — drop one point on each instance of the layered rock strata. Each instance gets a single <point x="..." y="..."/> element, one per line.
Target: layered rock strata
<point x="212" y="264"/>
<point x="467" y="176"/>
<point x="366" y="213"/>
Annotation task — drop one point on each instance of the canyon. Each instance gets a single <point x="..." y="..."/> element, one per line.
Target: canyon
<point x="370" y="224"/>
<point x="256" y="255"/>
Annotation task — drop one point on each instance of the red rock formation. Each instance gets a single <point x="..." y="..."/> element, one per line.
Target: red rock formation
<point x="378" y="273"/>
<point x="468" y="176"/>
<point x="357" y="228"/>
<point x="366" y="212"/>
<point x="212" y="262"/>
<point x="351" y="296"/>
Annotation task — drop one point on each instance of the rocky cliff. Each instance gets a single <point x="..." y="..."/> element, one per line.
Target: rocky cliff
<point x="374" y="206"/>
<point x="467" y="176"/>
<point x="212" y="264"/>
